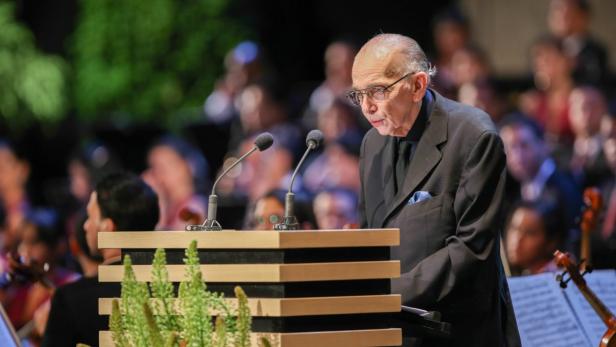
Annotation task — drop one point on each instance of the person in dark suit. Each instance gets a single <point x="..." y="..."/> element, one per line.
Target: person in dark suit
<point x="530" y="164"/>
<point x="435" y="169"/>
<point x="119" y="202"/>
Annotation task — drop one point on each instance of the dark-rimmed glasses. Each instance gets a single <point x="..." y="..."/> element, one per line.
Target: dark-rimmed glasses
<point x="377" y="93"/>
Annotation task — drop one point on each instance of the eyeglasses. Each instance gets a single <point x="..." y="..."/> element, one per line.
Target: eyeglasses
<point x="377" y="93"/>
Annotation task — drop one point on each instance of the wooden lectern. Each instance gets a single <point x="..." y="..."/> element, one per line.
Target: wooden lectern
<point x="305" y="288"/>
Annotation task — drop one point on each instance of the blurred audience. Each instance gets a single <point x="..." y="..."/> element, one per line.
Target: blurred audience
<point x="548" y="102"/>
<point x="338" y="58"/>
<point x="533" y="232"/>
<point x="587" y="108"/>
<point x="269" y="211"/>
<point x="570" y="21"/>
<point x="529" y="163"/>
<point x="336" y="208"/>
<point x="242" y="67"/>
<point x="179" y="174"/>
<point x="451" y="34"/>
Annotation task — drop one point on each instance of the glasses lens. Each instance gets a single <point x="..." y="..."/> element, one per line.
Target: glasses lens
<point x="377" y="94"/>
<point x="354" y="98"/>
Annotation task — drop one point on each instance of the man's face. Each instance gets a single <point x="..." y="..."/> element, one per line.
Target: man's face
<point x="395" y="115"/>
<point x="585" y="112"/>
<point x="93" y="224"/>
<point x="525" y="152"/>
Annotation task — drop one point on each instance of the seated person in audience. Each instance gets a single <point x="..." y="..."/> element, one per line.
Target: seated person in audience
<point x="336" y="208"/>
<point x="570" y="21"/>
<point x="119" y="202"/>
<point x="14" y="201"/>
<point x="451" y="31"/>
<point x="338" y="62"/>
<point x="548" y="102"/>
<point x="604" y="245"/>
<point x="34" y="270"/>
<point x="529" y="163"/>
<point x="269" y="210"/>
<point x="178" y="172"/>
<point x="587" y="107"/>
<point x="533" y="233"/>
<point x="338" y="119"/>
<point x="336" y="166"/>
<point x="469" y="64"/>
<point x="484" y="94"/>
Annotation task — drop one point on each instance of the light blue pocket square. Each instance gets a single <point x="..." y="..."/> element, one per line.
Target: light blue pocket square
<point x="419" y="196"/>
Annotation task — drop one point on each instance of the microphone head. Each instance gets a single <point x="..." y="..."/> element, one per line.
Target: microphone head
<point x="264" y="141"/>
<point x="314" y="138"/>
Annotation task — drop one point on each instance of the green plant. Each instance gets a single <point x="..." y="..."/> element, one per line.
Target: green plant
<point x="149" y="317"/>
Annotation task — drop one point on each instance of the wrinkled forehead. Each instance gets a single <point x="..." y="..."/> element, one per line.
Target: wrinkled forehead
<point x="372" y="66"/>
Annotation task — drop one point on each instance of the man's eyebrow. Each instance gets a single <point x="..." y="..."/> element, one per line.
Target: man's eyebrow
<point x="371" y="85"/>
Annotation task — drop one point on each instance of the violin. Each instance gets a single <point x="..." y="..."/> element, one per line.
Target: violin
<point x="590" y="214"/>
<point x="563" y="260"/>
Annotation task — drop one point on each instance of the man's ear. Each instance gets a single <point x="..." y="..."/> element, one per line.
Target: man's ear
<point x="420" y="84"/>
<point x="108" y="225"/>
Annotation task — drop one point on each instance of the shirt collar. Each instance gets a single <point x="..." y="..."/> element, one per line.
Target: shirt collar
<point x="422" y="118"/>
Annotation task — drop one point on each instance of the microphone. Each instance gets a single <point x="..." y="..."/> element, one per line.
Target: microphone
<point x="262" y="142"/>
<point x="289" y="222"/>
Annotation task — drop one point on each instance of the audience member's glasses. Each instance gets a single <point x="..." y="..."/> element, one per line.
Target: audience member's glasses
<point x="377" y="93"/>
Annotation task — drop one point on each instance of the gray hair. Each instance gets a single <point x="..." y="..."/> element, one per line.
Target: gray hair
<point x="413" y="57"/>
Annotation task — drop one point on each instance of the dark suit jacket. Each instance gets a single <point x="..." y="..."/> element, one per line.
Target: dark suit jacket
<point x="449" y="244"/>
<point x="74" y="314"/>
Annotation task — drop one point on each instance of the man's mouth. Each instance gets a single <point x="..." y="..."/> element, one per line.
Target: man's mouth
<point x="377" y="122"/>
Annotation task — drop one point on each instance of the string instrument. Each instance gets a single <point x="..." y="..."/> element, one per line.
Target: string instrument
<point x="590" y="213"/>
<point x="31" y="272"/>
<point x="563" y="260"/>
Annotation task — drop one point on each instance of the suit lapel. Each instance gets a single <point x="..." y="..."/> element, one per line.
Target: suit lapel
<point x="426" y="157"/>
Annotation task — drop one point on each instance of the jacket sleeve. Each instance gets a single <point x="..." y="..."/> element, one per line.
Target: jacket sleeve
<point x="470" y="252"/>
<point x="58" y="331"/>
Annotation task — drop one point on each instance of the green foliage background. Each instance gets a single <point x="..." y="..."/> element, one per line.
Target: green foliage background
<point x="143" y="60"/>
<point x="32" y="84"/>
<point x="149" y="58"/>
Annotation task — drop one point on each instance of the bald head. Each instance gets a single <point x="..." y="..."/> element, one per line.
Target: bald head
<point x="396" y="55"/>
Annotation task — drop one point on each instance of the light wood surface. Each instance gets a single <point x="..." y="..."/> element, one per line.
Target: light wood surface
<point x="266" y="273"/>
<point x="343" y="338"/>
<point x="291" y="307"/>
<point x="267" y="239"/>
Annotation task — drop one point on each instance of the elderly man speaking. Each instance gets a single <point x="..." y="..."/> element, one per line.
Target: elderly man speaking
<point x="435" y="169"/>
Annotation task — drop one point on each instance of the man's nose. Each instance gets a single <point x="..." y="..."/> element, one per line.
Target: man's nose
<point x="368" y="106"/>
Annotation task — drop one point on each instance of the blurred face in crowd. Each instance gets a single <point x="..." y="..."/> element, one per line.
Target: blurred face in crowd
<point x="79" y="181"/>
<point x="566" y="18"/>
<point x="550" y="65"/>
<point x="13" y="171"/>
<point x="525" y="152"/>
<point x="449" y="37"/>
<point x="467" y="66"/>
<point x="586" y="109"/>
<point x="266" y="208"/>
<point x="608" y="129"/>
<point x="333" y="211"/>
<point x="396" y="113"/>
<point x="168" y="170"/>
<point x="95" y="223"/>
<point x="334" y="121"/>
<point x="527" y="243"/>
<point x="31" y="249"/>
<point x="338" y="63"/>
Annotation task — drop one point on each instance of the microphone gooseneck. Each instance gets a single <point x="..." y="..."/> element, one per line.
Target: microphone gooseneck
<point x="262" y="142"/>
<point x="289" y="221"/>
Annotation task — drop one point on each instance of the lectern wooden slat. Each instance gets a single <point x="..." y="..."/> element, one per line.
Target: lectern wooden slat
<point x="305" y="288"/>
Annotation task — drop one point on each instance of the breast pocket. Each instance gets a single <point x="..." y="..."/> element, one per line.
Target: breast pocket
<point x="424" y="227"/>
